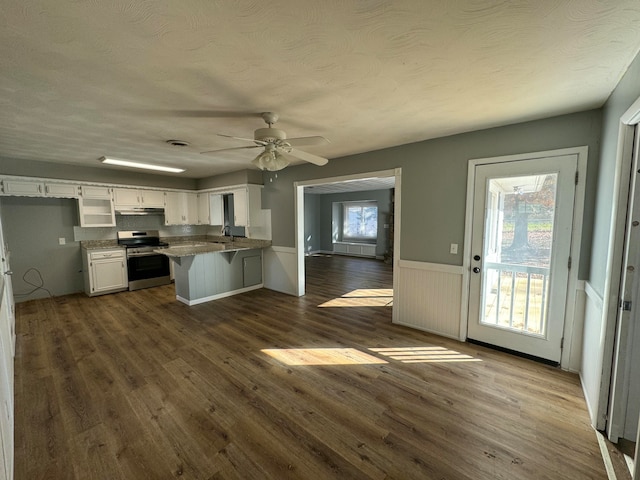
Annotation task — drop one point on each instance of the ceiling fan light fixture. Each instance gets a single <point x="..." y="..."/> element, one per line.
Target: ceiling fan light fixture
<point x="145" y="166"/>
<point x="271" y="161"/>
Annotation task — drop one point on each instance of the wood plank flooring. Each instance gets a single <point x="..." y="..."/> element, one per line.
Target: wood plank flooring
<point x="135" y="385"/>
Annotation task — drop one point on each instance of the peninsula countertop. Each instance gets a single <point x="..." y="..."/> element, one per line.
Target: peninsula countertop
<point x="188" y="249"/>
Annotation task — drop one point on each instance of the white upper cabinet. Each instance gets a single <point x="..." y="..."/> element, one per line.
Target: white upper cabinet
<point x="247" y="206"/>
<point x="95" y="206"/>
<point x="134" y="198"/>
<point x="152" y="198"/>
<point x="17" y="187"/>
<point x="126" y="198"/>
<point x="96" y="193"/>
<point x="216" y="209"/>
<point x="26" y="188"/>
<point x="203" y="209"/>
<point x="61" y="190"/>
<point x="240" y="208"/>
<point x="180" y="208"/>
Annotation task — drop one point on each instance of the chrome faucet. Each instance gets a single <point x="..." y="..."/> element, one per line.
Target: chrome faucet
<point x="226" y="232"/>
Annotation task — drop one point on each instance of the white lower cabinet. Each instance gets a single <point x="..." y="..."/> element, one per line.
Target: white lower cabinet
<point x="105" y="271"/>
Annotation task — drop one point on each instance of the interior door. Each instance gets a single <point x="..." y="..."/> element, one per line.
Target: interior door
<point x="521" y="242"/>
<point x="624" y="401"/>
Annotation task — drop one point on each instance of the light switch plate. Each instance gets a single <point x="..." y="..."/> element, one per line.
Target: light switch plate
<point x="454" y="248"/>
<point x="62" y="241"/>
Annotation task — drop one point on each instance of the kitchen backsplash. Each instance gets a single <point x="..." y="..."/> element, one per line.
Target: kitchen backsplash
<point x="137" y="222"/>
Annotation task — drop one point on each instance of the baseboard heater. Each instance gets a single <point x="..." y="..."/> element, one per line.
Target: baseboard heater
<point x="354" y="248"/>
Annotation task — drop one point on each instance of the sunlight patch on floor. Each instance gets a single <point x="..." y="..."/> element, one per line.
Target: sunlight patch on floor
<point x="322" y="356"/>
<point x="363" y="297"/>
<point x="424" y="354"/>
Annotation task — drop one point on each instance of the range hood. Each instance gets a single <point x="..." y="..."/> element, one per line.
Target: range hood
<point x="139" y="211"/>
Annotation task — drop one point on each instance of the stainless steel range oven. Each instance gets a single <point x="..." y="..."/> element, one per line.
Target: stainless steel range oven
<point x="145" y="267"/>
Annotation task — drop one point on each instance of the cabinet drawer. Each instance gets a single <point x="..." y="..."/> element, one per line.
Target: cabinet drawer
<point x="97" y="255"/>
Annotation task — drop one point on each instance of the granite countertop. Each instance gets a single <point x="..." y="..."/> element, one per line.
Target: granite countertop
<point x="181" y="247"/>
<point x="99" y="244"/>
<point x="189" y="250"/>
<point x="197" y="244"/>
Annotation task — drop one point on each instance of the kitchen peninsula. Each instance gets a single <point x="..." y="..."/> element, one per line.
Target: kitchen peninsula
<point x="206" y="271"/>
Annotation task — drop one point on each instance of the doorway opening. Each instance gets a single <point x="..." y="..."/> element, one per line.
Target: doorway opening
<point x="351" y="215"/>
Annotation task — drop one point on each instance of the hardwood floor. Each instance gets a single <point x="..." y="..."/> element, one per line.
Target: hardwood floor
<point x="135" y="385"/>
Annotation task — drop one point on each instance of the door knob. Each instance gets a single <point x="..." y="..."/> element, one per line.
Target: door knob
<point x="8" y="272"/>
<point x="476" y="269"/>
<point x="476" y="258"/>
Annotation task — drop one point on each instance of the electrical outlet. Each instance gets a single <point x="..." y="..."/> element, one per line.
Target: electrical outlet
<point x="62" y="241"/>
<point x="454" y="248"/>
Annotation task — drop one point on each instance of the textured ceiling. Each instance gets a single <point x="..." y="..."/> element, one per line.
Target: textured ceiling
<point x="84" y="79"/>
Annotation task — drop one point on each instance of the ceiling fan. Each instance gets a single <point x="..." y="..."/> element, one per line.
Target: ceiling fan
<point x="278" y="150"/>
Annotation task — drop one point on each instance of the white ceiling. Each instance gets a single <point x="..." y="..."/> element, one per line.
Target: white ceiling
<point x="84" y="79"/>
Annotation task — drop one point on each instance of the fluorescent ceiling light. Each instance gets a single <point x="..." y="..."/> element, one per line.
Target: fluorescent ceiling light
<point x="147" y="166"/>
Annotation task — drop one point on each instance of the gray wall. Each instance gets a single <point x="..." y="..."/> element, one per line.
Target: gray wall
<point x="434" y="176"/>
<point x="627" y="91"/>
<point x="32" y="227"/>
<point x="312" y="223"/>
<point x="382" y="197"/>
<point x="233" y="178"/>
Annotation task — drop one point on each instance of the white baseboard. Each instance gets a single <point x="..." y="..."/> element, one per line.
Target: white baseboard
<point x="218" y="295"/>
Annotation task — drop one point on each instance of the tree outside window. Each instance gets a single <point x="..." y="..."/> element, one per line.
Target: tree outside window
<point x="360" y="221"/>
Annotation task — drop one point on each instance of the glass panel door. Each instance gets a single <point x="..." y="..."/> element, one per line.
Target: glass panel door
<point x="521" y="242"/>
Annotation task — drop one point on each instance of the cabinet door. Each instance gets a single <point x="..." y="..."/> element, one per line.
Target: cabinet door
<point x="251" y="270"/>
<point x="152" y="198"/>
<point x="241" y="217"/>
<point x="216" y="209"/>
<point x="172" y="208"/>
<point x="61" y="190"/>
<point x="203" y="209"/>
<point x="126" y="198"/>
<point x="96" y="212"/>
<point x="102" y="193"/>
<point x="17" y="187"/>
<point x="190" y="208"/>
<point x="108" y="274"/>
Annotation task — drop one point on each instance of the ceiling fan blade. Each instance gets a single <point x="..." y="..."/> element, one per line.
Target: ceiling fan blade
<point x="307" y="157"/>
<point x="300" y="141"/>
<point x="210" y="113"/>
<point x="259" y="142"/>
<point x="232" y="148"/>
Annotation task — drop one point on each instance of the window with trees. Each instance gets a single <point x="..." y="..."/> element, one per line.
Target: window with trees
<point x="360" y="221"/>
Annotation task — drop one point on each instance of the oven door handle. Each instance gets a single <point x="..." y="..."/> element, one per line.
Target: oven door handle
<point x="145" y="254"/>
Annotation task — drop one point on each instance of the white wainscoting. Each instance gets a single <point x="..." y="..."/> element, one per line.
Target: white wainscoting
<point x="593" y="336"/>
<point x="280" y="269"/>
<point x="573" y="347"/>
<point x="429" y="297"/>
